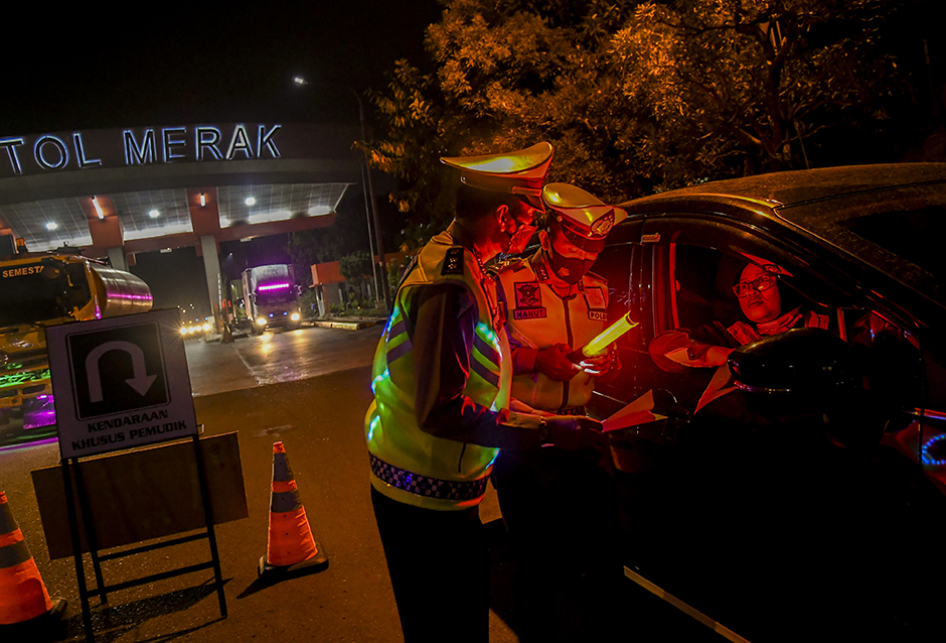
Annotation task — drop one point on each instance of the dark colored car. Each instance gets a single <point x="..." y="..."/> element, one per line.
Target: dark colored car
<point x="809" y="501"/>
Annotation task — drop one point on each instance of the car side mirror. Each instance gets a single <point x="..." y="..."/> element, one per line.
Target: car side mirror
<point x="809" y="372"/>
<point x="802" y="362"/>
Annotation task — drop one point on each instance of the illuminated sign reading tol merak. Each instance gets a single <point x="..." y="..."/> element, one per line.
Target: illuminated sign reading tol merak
<point x="144" y="146"/>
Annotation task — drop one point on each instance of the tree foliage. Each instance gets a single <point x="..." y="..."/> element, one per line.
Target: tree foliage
<point x="739" y="86"/>
<point x="416" y="138"/>
<point x="639" y="96"/>
<point x="355" y="267"/>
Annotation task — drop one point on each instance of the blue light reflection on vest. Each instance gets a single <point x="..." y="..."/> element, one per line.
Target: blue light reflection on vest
<point x="489" y="335"/>
<point x="374" y="424"/>
<point x="380" y="378"/>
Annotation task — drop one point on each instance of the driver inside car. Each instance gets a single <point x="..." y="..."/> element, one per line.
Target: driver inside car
<point x="768" y="310"/>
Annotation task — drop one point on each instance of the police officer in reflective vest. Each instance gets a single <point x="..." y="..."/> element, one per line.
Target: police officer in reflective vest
<point x="559" y="507"/>
<point x="441" y="382"/>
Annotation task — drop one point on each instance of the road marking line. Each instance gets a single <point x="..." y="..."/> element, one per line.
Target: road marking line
<point x="659" y="592"/>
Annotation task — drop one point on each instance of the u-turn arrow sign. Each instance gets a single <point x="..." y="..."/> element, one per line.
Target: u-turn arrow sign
<point x="120" y="382"/>
<point x="140" y="381"/>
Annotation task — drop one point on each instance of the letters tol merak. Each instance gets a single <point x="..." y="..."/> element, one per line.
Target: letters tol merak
<point x="145" y="146"/>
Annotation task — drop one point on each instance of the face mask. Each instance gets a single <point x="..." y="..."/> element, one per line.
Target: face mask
<point x="519" y="238"/>
<point x="569" y="270"/>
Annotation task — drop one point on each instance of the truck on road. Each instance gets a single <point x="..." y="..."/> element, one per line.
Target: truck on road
<point x="271" y="297"/>
<point x="43" y="289"/>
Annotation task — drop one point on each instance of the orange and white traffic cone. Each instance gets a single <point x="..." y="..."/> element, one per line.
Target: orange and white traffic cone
<point x="25" y="605"/>
<point x="291" y="548"/>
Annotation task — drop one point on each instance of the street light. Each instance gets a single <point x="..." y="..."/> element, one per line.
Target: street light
<point x="378" y="294"/>
<point x="383" y="281"/>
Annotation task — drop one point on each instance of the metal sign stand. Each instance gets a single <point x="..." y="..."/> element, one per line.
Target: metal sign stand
<point x="72" y="475"/>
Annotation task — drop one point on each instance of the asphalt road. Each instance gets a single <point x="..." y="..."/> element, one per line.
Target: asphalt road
<point x="309" y="389"/>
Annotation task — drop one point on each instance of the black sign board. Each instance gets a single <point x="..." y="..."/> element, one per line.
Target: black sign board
<point x="120" y="382"/>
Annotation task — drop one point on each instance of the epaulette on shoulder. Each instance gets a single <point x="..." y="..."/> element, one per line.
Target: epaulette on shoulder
<point x="597" y="277"/>
<point x="453" y="261"/>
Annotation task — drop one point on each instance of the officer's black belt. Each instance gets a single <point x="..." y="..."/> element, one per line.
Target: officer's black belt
<point x="425" y="485"/>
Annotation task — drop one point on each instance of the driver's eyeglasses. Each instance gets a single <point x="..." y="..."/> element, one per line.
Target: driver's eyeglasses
<point x="760" y="283"/>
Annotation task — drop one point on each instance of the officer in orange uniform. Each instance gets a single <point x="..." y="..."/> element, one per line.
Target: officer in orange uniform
<point x="441" y="381"/>
<point x="559" y="507"/>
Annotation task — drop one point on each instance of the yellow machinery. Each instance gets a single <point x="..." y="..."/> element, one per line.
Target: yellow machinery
<point x="41" y="289"/>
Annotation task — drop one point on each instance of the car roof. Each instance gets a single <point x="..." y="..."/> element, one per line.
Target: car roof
<point x="885" y="216"/>
<point x="797" y="187"/>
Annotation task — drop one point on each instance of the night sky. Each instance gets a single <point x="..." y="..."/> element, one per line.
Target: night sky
<point x="143" y="64"/>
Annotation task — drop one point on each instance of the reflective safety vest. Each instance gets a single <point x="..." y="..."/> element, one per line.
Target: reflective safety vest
<point x="537" y="317"/>
<point x="408" y="464"/>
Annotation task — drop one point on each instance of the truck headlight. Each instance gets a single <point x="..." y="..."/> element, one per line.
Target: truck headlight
<point x="294" y="316"/>
<point x="260" y="321"/>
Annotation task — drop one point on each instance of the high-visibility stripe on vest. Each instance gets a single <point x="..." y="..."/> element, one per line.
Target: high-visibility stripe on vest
<point x="408" y="464"/>
<point x="538" y="318"/>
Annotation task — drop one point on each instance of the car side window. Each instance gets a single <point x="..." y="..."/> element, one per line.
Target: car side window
<point x="702" y="280"/>
<point x="891" y="362"/>
<point x="888" y="354"/>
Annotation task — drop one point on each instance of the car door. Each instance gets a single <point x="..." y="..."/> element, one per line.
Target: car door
<point x="732" y="482"/>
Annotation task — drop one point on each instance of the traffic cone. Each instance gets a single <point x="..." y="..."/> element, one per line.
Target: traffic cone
<point x="25" y="605"/>
<point x="291" y="548"/>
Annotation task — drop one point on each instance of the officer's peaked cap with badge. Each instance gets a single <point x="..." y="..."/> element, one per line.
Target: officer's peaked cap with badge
<point x="583" y="218"/>
<point x="521" y="172"/>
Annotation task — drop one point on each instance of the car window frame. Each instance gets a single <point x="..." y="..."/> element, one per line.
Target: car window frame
<point x="698" y="229"/>
<point x="664" y="230"/>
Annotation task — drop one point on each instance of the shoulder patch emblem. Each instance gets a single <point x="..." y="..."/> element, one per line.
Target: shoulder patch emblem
<point x="528" y="295"/>
<point x="528" y="301"/>
<point x="595" y="298"/>
<point x="453" y="262"/>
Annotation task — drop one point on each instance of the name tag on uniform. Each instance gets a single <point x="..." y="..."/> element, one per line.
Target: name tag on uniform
<point x="595" y="298"/>
<point x="598" y="315"/>
<point x="528" y="313"/>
